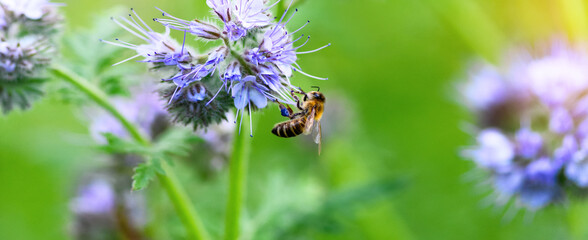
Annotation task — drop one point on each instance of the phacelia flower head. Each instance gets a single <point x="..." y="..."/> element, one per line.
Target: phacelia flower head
<point x="245" y="75"/>
<point x="26" y="32"/>
<point x="533" y="125"/>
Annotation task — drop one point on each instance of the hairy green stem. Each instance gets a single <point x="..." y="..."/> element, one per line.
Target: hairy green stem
<point x="237" y="180"/>
<point x="169" y="180"/>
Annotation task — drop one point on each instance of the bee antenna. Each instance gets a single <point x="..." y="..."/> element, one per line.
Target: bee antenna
<point x="318" y="89"/>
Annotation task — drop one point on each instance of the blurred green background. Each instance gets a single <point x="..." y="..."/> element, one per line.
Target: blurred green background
<point x="390" y="159"/>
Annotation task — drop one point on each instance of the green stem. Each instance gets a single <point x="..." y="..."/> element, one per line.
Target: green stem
<point x="237" y="180"/>
<point x="100" y="98"/>
<point x="169" y="180"/>
<point x="576" y="217"/>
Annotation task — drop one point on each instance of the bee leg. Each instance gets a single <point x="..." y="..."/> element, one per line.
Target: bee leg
<point x="286" y="111"/>
<point x="298" y="102"/>
<point x="296" y="115"/>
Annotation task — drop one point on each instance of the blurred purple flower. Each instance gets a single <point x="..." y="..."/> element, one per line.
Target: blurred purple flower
<point x="540" y="187"/>
<point x="494" y="151"/>
<point x="555" y="88"/>
<point x="558" y="76"/>
<point x="529" y="143"/>
<point x="98" y="197"/>
<point x="561" y="121"/>
<point x="142" y="109"/>
<point x="32" y="9"/>
<point x="485" y="89"/>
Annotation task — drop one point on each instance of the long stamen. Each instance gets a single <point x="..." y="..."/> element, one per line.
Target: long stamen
<point x="300" y="28"/>
<point x="298" y="38"/>
<point x="241" y="121"/>
<point x="183" y="43"/>
<point x="236" y="116"/>
<point x="282" y="18"/>
<point x="250" y="122"/>
<point x="213" y="97"/>
<point x="133" y="10"/>
<point x="268" y="8"/>
<point x="141" y="30"/>
<point x="311" y="51"/>
<point x="171" y="16"/>
<point x="116" y="44"/>
<point x="138" y="55"/>
<point x="308" y="75"/>
<point x="128" y="29"/>
<point x="126" y="43"/>
<point x="174" y="95"/>
<point x="308" y="38"/>
<point x="291" y="16"/>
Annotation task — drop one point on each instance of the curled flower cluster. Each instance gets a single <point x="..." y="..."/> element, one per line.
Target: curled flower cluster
<point x="250" y="67"/>
<point x="533" y="137"/>
<point x="26" y="29"/>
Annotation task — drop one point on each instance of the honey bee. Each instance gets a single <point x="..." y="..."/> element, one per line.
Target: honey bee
<point x="311" y="111"/>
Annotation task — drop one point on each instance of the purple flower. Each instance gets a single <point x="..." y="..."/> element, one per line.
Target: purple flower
<point x="248" y="92"/>
<point x="98" y="197"/>
<point x="566" y="151"/>
<point x="142" y="110"/>
<point x="540" y="186"/>
<point x="509" y="182"/>
<point x="494" y="151"/>
<point x="196" y="93"/>
<point x="529" y="143"/>
<point x="31" y="9"/>
<point x="239" y="16"/>
<point x="577" y="169"/>
<point x="222" y="8"/>
<point x="233" y="72"/>
<point x="485" y="89"/>
<point x="195" y="27"/>
<point x="160" y="49"/>
<point x="559" y="76"/>
<point x="20" y="58"/>
<point x="234" y="31"/>
<point x="561" y="121"/>
<point x="553" y="94"/>
<point x="277" y="48"/>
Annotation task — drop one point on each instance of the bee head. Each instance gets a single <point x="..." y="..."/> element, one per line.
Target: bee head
<point x="314" y="95"/>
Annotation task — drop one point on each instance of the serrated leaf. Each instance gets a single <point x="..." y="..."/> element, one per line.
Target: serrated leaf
<point x="156" y="164"/>
<point x="116" y="144"/>
<point x="144" y="173"/>
<point x="175" y="142"/>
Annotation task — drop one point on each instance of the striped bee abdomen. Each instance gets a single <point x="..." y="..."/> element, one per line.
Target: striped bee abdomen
<point x="290" y="128"/>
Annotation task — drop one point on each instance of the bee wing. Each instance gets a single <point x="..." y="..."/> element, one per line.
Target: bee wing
<point x="309" y="122"/>
<point x="318" y="137"/>
<point x="317" y="132"/>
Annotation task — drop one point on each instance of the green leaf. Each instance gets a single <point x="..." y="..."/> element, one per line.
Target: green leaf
<point x="144" y="173"/>
<point x="118" y="145"/>
<point x="175" y="142"/>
